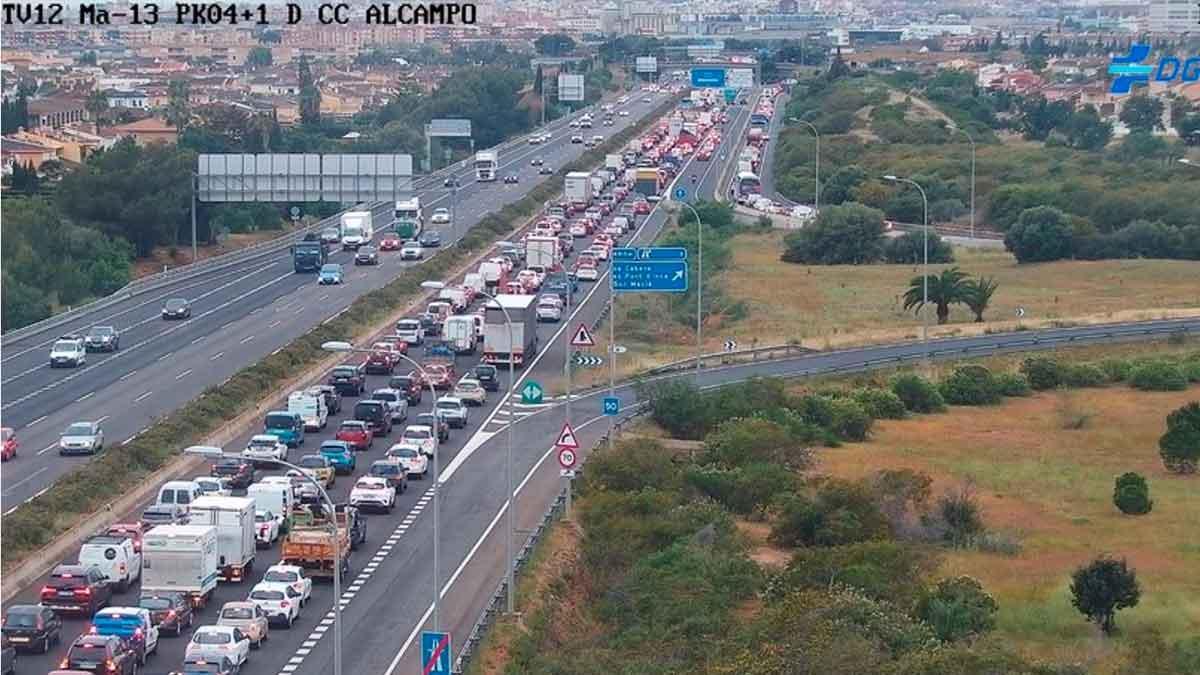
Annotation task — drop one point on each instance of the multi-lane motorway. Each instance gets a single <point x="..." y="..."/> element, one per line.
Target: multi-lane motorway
<point x="240" y="315"/>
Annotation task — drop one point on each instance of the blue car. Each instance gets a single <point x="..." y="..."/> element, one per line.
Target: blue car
<point x="340" y="455"/>
<point x="288" y="426"/>
<point x="330" y="273"/>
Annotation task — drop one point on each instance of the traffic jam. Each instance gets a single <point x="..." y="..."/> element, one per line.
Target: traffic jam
<point x="222" y="561"/>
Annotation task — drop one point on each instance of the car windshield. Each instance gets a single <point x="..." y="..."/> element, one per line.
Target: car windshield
<point x="263" y="444"/>
<point x="228" y="465"/>
<point x="281" y="421"/>
<point x="18" y="619"/>
<point x="345" y="371"/>
<point x="278" y="576"/>
<point x="65" y="345"/>
<point x="485" y="371"/>
<point x="261" y="517"/>
<point x="385" y="396"/>
<point x="101" y="331"/>
<point x="313" y="462"/>
<point x="366" y="250"/>
<point x="336" y="448"/>
<point x="237" y="613"/>
<point x="468" y="385"/>
<point x="408" y="324"/>
<point x="176" y="304"/>
<point x="212" y="637"/>
<point x="330" y="232"/>
<point x="78" y="429"/>
<point x="402" y="452"/>
<point x="154" y="515"/>
<point x="154" y="603"/>
<point x="331" y="268"/>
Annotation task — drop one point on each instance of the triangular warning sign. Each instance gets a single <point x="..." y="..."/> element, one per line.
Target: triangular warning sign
<point x="583" y="337"/>
<point x="566" y="438"/>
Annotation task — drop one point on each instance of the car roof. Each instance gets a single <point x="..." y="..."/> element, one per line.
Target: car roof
<point x="265" y="438"/>
<point x="371" y="480"/>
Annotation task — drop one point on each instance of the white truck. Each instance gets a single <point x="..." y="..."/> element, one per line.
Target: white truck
<point x="599" y="180"/>
<point x="233" y="518"/>
<point x="577" y="189"/>
<point x="545" y="252"/>
<point x="496" y="345"/>
<point x="357" y="229"/>
<point x="613" y="162"/>
<point x="487" y="165"/>
<point x="311" y="408"/>
<point x="456" y="296"/>
<point x="460" y="332"/>
<point x="180" y="559"/>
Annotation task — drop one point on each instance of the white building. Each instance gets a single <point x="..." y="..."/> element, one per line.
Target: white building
<point x="1174" y="16"/>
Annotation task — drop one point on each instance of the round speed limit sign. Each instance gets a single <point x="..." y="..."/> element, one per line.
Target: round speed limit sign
<point x="566" y="457"/>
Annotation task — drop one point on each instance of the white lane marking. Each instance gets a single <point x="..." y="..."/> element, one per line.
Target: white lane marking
<point x="164" y="356"/>
<point x="35" y="421"/>
<point x="216" y="356"/>
<point x="142" y="397"/>
<point x="85" y="397"/>
<point x="129" y="440"/>
<point x="25" y="480"/>
<point x="183" y="374"/>
<point x="247" y="339"/>
<point x="198" y="339"/>
<point x="126" y="375"/>
<point x="276" y="323"/>
<point x="48" y="448"/>
<point x="12" y="509"/>
<point x="101" y="419"/>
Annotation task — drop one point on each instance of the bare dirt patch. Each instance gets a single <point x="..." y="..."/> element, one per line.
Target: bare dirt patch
<point x="762" y="551"/>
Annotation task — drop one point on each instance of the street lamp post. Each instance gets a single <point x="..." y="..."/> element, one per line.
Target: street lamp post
<point x="925" y="264"/>
<point x="699" y="288"/>
<point x="213" y="452"/>
<point x="335" y="346"/>
<point x="972" y="142"/>
<point x="817" y="134"/>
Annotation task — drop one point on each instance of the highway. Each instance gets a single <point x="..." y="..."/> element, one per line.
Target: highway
<point x="240" y="315"/>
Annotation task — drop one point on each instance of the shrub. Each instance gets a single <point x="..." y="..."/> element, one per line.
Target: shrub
<point x="970" y="385"/>
<point x="746" y="441"/>
<point x="1131" y="494"/>
<point x="744" y="490"/>
<point x="1158" y="376"/>
<point x="960" y="515"/>
<point x="1013" y="384"/>
<point x="1191" y="369"/>
<point x="1101" y="588"/>
<point x="841" y="512"/>
<point x="678" y="406"/>
<point x="1180" y="446"/>
<point x="1083" y="375"/>
<point x="994" y="542"/>
<point x="917" y="394"/>
<point x="1116" y="370"/>
<point x="958" y="608"/>
<point x="850" y="420"/>
<point x="1042" y="372"/>
<point x="632" y="466"/>
<point x="880" y="403"/>
<point x="882" y="570"/>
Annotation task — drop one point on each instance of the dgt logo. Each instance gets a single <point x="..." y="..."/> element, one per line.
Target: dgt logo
<point x="1130" y="70"/>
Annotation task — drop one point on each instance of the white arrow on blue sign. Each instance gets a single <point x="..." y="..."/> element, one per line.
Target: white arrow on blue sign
<point x="681" y="193"/>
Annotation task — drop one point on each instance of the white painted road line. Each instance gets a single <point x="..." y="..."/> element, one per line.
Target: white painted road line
<point x="183" y="374"/>
<point x="127" y="375"/>
<point x="48" y="448"/>
<point x="164" y="356"/>
<point x="142" y="397"/>
<point x="35" y="421"/>
<point x="276" y="323"/>
<point x="247" y="339"/>
<point x="129" y="440"/>
<point x="85" y="397"/>
<point x="198" y="339"/>
<point x="216" y="356"/>
<point x="26" y="480"/>
<point x="101" y="419"/>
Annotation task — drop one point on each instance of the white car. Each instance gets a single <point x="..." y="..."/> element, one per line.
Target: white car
<point x="549" y="308"/>
<point x="587" y="273"/>
<point x="213" y="643"/>
<point x="440" y="217"/>
<point x="470" y="391"/>
<point x="372" y="492"/>
<point x="265" y="447"/>
<point x="412" y="251"/>
<point x="410" y="331"/>
<point x="420" y="435"/>
<point x="266" y="528"/>
<point x="579" y="230"/>
<point x="284" y="480"/>
<point x="624" y="113"/>
<point x="68" y="350"/>
<point x="292" y="575"/>
<point x="409" y="456"/>
<point x="597" y="251"/>
<point x="212" y="486"/>
<point x="453" y="410"/>
<point x="304" y="488"/>
<point x="280" y="602"/>
<point x="614" y="230"/>
<point x="577" y="139"/>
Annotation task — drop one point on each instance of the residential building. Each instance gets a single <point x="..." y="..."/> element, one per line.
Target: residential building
<point x="148" y="131"/>
<point x="126" y="99"/>
<point x="1174" y="16"/>
<point x="56" y="111"/>
<point x="25" y="153"/>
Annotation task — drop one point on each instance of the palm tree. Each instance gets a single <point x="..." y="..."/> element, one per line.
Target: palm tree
<point x="977" y="295"/>
<point x="96" y="105"/>
<point x="944" y="289"/>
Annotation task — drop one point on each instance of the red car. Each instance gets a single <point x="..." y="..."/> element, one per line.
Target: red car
<point x="641" y="207"/>
<point x="391" y="242"/>
<point x="9" y="449"/>
<point x="441" y="375"/>
<point x="133" y="531"/>
<point x="356" y="433"/>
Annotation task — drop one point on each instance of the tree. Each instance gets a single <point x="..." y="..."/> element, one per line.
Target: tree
<point x="554" y="44"/>
<point x="847" y="234"/>
<point x="1189" y="129"/>
<point x="1180" y="446"/>
<point x="1131" y="494"/>
<point x="23" y="305"/>
<point x="839" y="187"/>
<point x="310" y="95"/>
<point x="977" y="295"/>
<point x="1039" y="117"/>
<point x="1101" y="588"/>
<point x="1086" y="130"/>
<point x="944" y="289"/>
<point x="259" y="57"/>
<point x="909" y="249"/>
<point x="958" y="608"/>
<point x="538" y="80"/>
<point x="179" y="106"/>
<point x="837" y="68"/>
<point x="96" y="104"/>
<point x="1143" y="113"/>
<point x="24" y="178"/>
<point x="15" y="113"/>
<point x="1041" y="234"/>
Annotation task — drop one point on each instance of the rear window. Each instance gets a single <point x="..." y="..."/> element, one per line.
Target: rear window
<point x="267" y="595"/>
<point x="154" y="603"/>
<point x="65" y="346"/>
<point x="385" y="469"/>
<point x="313" y="462"/>
<point x="89" y="651"/>
<point x="280" y="421"/>
<point x="20" y="619"/>
<point x="280" y="577"/>
<point x="367" y="409"/>
<point x="237" y="613"/>
<point x="345" y="372"/>
<point x="385" y="396"/>
<point x="70" y="580"/>
<point x="408" y="324"/>
<point x="353" y="426"/>
<point x="417" y="433"/>
<point x="212" y="637"/>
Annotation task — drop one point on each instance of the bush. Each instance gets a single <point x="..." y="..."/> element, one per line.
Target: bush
<point x="1158" y="376"/>
<point x="1180" y="446"/>
<point x="970" y="385"/>
<point x="850" y="420"/>
<point x="1013" y="384"/>
<point x="1116" y="370"/>
<point x="880" y="403"/>
<point x="1191" y="369"/>
<point x="744" y="490"/>
<point x="678" y="406"/>
<point x="1101" y="588"/>
<point x="958" y="608"/>
<point x="917" y="394"/>
<point x="1131" y="494"/>
<point x="1083" y="375"/>
<point x="745" y="441"/>
<point x="961" y="516"/>
<point x="633" y="466"/>
<point x="841" y="512"/>
<point x="1042" y="372"/>
<point x="882" y="570"/>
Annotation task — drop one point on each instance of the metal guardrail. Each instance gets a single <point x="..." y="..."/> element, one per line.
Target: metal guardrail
<point x="731" y="357"/>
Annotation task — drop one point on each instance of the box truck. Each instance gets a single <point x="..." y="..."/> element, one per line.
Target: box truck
<point x="497" y="347"/>
<point x="357" y="229"/>
<point x="180" y="559"/>
<point x="543" y="252"/>
<point x="577" y="189"/>
<point x="233" y="518"/>
<point x="460" y="332"/>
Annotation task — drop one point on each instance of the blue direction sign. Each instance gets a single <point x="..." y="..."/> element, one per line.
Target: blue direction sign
<point x="435" y="653"/>
<point x="612" y="405"/>
<point x="708" y="77"/>
<point x="663" y="276"/>
<point x="680" y="193"/>
<point x="650" y="253"/>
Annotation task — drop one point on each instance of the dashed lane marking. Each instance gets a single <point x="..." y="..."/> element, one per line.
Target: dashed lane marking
<point x="143" y="397"/>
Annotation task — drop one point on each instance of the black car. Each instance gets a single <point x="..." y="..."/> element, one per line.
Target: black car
<point x="333" y="399"/>
<point x="171" y="612"/>
<point x="101" y="654"/>
<point x="349" y="380"/>
<point x="239" y="472"/>
<point x="450" y="182"/>
<point x="206" y="667"/>
<point x="102" y="339"/>
<point x="409" y="384"/>
<point x="536" y="161"/>
<point x="77" y="588"/>
<point x="357" y="523"/>
<point x="442" y="427"/>
<point x="430" y="325"/>
<point x="430" y="239"/>
<point x="395" y="475"/>
<point x="545" y="171"/>
<point x="488" y="376"/>
<point x="8" y="657"/>
<point x="377" y="416"/>
<point x="366" y="255"/>
<point x="177" y="308"/>
<point x="32" y="628"/>
<point x="511" y="179"/>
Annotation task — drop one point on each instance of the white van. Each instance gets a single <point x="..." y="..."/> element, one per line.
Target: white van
<point x="622" y="222"/>
<point x="311" y="408"/>
<point x="181" y="492"/>
<point x="274" y="497"/>
<point x="461" y="332"/>
<point x="115" y="557"/>
<point x="474" y="280"/>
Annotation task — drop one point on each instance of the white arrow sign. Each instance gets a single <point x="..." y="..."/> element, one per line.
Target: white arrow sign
<point x="583" y="337"/>
<point x="566" y="438"/>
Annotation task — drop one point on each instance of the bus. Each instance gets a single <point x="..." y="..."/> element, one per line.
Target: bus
<point x="408" y="218"/>
<point x="747" y="184"/>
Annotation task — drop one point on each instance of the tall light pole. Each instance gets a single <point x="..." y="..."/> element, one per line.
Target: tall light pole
<point x="335" y="346"/>
<point x="817" y="134"/>
<point x="925" y="265"/>
<point x="213" y="452"/>
<point x="972" y="142"/>
<point x="699" y="288"/>
<point x="512" y="421"/>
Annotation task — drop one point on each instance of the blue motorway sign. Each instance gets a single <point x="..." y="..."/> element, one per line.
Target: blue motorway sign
<point x="650" y="253"/>
<point x="612" y="405"/>
<point x="664" y="276"/>
<point x="708" y="77"/>
<point x="435" y="653"/>
<point x="680" y="193"/>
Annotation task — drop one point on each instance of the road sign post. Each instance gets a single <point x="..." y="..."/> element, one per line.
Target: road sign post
<point x="435" y="653"/>
<point x="568" y="449"/>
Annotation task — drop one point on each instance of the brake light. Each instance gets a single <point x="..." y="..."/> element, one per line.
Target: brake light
<point x="285" y="604"/>
<point x="122" y="568"/>
<point x="137" y="632"/>
<point x="65" y="664"/>
<point x="111" y="665"/>
<point x="92" y="630"/>
<point x="83" y="591"/>
<point x="47" y="589"/>
<point x="171" y="614"/>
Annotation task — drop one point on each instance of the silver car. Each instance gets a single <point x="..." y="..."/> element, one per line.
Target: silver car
<point x="81" y="438"/>
<point x="396" y="402"/>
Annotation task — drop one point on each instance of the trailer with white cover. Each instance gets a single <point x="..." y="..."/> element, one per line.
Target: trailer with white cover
<point x="519" y="347"/>
<point x="233" y="518"/>
<point x="181" y="559"/>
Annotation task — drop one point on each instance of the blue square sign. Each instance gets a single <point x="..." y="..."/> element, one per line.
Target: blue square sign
<point x="612" y="405"/>
<point x="435" y="653"/>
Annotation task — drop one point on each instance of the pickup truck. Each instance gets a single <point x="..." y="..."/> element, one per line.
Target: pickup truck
<point x="311" y="547"/>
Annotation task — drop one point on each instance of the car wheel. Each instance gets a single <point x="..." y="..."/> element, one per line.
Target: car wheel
<point x="289" y="623"/>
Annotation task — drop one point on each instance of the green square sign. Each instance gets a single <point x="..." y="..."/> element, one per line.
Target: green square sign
<point x="531" y="393"/>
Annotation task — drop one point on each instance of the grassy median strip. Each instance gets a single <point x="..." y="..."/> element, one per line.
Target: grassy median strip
<point x="90" y="487"/>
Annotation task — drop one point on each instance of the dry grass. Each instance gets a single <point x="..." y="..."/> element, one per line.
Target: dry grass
<point x="1051" y="486"/>
<point x="161" y="256"/>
